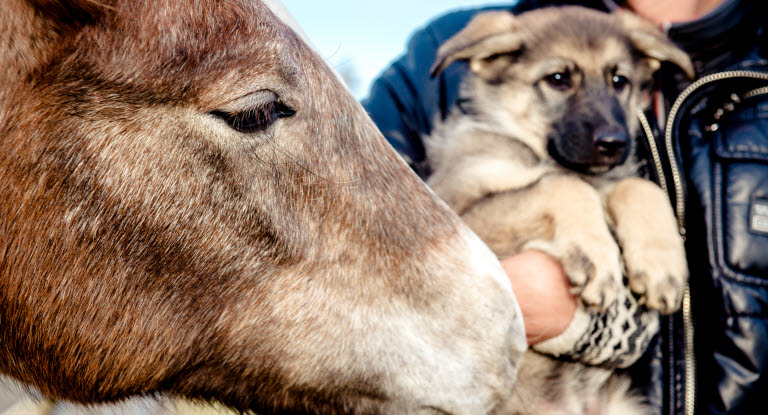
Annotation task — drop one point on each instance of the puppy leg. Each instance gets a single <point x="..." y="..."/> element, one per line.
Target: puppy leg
<point x="582" y="240"/>
<point x="560" y="215"/>
<point x="647" y="231"/>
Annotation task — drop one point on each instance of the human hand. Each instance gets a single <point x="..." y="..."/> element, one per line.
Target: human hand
<point x="543" y="292"/>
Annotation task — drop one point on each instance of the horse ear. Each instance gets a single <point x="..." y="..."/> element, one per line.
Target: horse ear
<point x="487" y="34"/>
<point x="68" y="12"/>
<point x="647" y="39"/>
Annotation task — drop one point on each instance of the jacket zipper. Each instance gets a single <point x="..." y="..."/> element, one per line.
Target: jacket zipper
<point x="690" y="369"/>
<point x="654" y="150"/>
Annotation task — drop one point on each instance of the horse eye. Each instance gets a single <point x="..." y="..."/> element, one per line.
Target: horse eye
<point x="619" y="82"/>
<point x="559" y="80"/>
<point x="256" y="119"/>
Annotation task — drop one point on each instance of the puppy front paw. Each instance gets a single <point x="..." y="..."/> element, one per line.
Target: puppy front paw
<point x="596" y="276"/>
<point x="594" y="269"/>
<point x="653" y="249"/>
<point x="657" y="271"/>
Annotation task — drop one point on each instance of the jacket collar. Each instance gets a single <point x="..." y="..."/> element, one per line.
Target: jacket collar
<point x="717" y="38"/>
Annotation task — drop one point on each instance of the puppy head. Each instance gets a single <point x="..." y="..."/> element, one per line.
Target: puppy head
<point x="567" y="81"/>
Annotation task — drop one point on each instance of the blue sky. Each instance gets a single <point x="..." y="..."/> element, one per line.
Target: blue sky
<point x="363" y="35"/>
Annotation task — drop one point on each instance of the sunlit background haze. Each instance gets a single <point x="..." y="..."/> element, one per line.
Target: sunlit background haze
<point x="360" y="38"/>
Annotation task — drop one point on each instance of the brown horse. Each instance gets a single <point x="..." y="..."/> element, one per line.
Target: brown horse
<point x="191" y="204"/>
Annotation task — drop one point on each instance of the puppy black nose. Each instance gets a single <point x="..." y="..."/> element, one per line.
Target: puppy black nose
<point x="610" y="144"/>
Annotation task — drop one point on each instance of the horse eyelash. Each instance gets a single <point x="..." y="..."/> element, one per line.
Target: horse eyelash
<point x="256" y="119"/>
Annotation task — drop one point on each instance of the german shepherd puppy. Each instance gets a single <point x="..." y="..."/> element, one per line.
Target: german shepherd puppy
<point x="545" y="159"/>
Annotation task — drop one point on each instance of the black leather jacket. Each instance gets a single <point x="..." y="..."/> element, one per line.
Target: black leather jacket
<point x="712" y="357"/>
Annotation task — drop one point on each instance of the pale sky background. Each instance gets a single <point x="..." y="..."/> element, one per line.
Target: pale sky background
<point x="364" y="36"/>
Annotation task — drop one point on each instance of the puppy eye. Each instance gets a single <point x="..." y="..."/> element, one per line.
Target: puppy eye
<point x="256" y="119"/>
<point x="619" y="82"/>
<point x="559" y="80"/>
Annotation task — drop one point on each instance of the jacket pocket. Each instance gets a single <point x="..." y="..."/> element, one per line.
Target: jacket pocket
<point x="740" y="194"/>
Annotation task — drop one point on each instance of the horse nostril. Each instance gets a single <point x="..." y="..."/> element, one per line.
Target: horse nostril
<point x="611" y="144"/>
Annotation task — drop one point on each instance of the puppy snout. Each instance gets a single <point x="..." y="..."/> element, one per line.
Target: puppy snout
<point x="611" y="144"/>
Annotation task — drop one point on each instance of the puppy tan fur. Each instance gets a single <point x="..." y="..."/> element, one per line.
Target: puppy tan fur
<point x="544" y="159"/>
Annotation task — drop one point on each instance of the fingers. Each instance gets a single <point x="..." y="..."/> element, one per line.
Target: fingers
<point x="544" y="294"/>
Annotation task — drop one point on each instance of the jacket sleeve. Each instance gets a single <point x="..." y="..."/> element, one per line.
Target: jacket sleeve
<point x="613" y="338"/>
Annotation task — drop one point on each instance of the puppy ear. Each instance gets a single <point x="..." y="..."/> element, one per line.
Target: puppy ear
<point x="487" y="34"/>
<point x="650" y="41"/>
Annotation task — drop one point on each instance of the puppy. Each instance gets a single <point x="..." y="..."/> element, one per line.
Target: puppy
<point x="542" y="156"/>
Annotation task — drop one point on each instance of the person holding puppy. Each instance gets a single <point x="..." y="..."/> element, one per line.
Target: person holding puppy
<point x="708" y="359"/>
